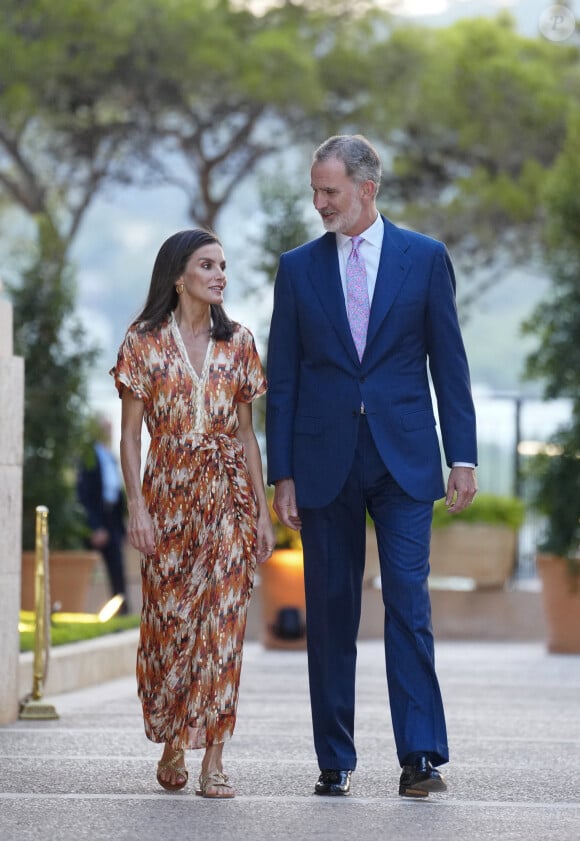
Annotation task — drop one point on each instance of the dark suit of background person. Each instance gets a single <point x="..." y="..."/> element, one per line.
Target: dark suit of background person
<point x="100" y="492"/>
<point x="345" y="435"/>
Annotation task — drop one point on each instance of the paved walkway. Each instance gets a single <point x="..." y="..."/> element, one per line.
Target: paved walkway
<point x="514" y="724"/>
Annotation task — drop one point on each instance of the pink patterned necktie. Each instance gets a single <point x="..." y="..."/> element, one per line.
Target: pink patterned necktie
<point x="357" y="296"/>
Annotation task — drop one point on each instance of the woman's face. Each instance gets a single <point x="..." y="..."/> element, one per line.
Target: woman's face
<point x="204" y="276"/>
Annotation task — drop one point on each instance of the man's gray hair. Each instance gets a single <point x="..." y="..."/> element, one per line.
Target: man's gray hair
<point x="360" y="158"/>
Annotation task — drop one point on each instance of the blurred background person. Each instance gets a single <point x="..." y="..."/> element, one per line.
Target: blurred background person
<point x="101" y="493"/>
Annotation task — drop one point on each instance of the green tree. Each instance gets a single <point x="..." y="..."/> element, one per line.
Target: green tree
<point x="252" y="86"/>
<point x="556" y="322"/>
<point x="469" y="118"/>
<point x="197" y="93"/>
<point x="65" y="117"/>
<point x="474" y="118"/>
<point x="284" y="227"/>
<point x="58" y="361"/>
<point x="63" y="133"/>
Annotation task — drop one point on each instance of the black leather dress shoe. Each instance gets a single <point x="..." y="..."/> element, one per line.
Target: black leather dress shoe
<point x="418" y="779"/>
<point x="333" y="783"/>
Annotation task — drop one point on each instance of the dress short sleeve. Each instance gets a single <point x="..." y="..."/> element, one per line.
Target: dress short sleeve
<point x="252" y="381"/>
<point x="131" y="368"/>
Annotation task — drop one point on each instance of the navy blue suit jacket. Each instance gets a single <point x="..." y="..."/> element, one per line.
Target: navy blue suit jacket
<point x="90" y="495"/>
<point x="317" y="384"/>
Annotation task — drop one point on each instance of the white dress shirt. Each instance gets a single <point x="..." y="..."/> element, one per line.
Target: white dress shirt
<point x="109" y="474"/>
<point x="370" y="251"/>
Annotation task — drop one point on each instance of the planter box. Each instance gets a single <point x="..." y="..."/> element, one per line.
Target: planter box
<point x="70" y="575"/>
<point x="482" y="552"/>
<point x="561" y="599"/>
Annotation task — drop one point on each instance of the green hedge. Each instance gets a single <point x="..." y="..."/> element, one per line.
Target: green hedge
<point x="485" y="508"/>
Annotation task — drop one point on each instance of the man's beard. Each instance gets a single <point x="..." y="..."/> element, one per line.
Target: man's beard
<point x="342" y="222"/>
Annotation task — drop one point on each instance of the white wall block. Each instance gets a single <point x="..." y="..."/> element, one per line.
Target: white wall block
<point x="11" y="449"/>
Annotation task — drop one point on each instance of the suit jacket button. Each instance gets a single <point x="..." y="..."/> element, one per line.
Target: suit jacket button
<point x="362" y="380"/>
<point x="355" y="414"/>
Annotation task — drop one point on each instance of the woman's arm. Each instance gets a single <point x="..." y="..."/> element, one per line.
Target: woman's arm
<point x="140" y="526"/>
<point x="246" y="435"/>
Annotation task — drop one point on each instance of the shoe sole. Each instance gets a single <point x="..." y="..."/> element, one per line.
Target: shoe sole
<point x="332" y="793"/>
<point x="423" y="789"/>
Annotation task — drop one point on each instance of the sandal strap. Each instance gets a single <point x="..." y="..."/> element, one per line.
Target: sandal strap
<point x="173" y="764"/>
<point x="216" y="779"/>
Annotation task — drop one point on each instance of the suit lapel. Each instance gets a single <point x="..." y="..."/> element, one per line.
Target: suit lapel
<point x="325" y="278"/>
<point x="324" y="273"/>
<point x="394" y="264"/>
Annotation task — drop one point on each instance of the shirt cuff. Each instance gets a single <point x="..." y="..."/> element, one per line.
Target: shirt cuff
<point x="462" y="464"/>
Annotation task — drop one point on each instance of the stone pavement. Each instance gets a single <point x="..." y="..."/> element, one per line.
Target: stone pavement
<point x="514" y="727"/>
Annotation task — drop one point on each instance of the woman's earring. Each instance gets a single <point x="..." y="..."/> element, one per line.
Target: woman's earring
<point x="180" y="287"/>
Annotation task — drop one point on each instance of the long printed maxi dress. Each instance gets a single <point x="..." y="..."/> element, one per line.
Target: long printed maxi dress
<point x="197" y="584"/>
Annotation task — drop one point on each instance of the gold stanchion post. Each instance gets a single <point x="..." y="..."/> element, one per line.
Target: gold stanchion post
<point x="33" y="707"/>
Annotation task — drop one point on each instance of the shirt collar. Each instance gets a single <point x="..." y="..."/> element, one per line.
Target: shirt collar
<point x="373" y="235"/>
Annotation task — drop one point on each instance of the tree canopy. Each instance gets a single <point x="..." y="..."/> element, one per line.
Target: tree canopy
<point x="197" y="93"/>
<point x="475" y="117"/>
<point x="65" y="120"/>
<point x="556" y="361"/>
<point x="556" y="320"/>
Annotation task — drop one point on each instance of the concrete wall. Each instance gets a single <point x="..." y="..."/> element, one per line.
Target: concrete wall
<point x="11" y="434"/>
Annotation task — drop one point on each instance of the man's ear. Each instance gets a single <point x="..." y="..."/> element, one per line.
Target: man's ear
<point x="368" y="189"/>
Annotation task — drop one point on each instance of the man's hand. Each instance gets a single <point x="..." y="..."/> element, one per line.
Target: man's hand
<point x="99" y="538"/>
<point x="284" y="504"/>
<point x="461" y="488"/>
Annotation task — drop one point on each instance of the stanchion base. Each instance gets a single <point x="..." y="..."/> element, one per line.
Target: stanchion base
<point x="31" y="709"/>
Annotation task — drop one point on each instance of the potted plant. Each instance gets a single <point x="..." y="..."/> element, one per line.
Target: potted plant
<point x="479" y="543"/>
<point x="556" y="361"/>
<point x="555" y="475"/>
<point x="56" y="427"/>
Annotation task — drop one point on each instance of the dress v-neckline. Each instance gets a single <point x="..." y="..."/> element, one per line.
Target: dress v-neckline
<point x="197" y="378"/>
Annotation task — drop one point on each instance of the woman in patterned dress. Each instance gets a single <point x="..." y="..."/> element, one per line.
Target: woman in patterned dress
<point x="199" y="518"/>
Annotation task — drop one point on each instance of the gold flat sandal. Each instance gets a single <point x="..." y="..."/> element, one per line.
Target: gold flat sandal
<point x="173" y="764"/>
<point x="216" y="780"/>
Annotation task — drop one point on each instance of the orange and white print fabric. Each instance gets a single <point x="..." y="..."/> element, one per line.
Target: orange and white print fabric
<point x="197" y="584"/>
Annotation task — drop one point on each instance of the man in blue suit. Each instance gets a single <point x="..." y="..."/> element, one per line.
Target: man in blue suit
<point x="100" y="492"/>
<point x="361" y="317"/>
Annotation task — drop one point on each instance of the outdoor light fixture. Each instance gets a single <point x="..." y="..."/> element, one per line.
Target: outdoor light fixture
<point x="111" y="608"/>
<point x="289" y="624"/>
<point x="108" y="610"/>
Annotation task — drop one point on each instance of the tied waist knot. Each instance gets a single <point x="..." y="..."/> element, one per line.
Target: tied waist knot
<point x="225" y="451"/>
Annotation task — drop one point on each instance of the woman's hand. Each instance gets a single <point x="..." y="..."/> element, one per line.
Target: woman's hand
<point x="266" y="537"/>
<point x="140" y="529"/>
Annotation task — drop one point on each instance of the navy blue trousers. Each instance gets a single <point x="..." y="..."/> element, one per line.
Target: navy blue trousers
<point x="334" y="555"/>
<point x="112" y="554"/>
